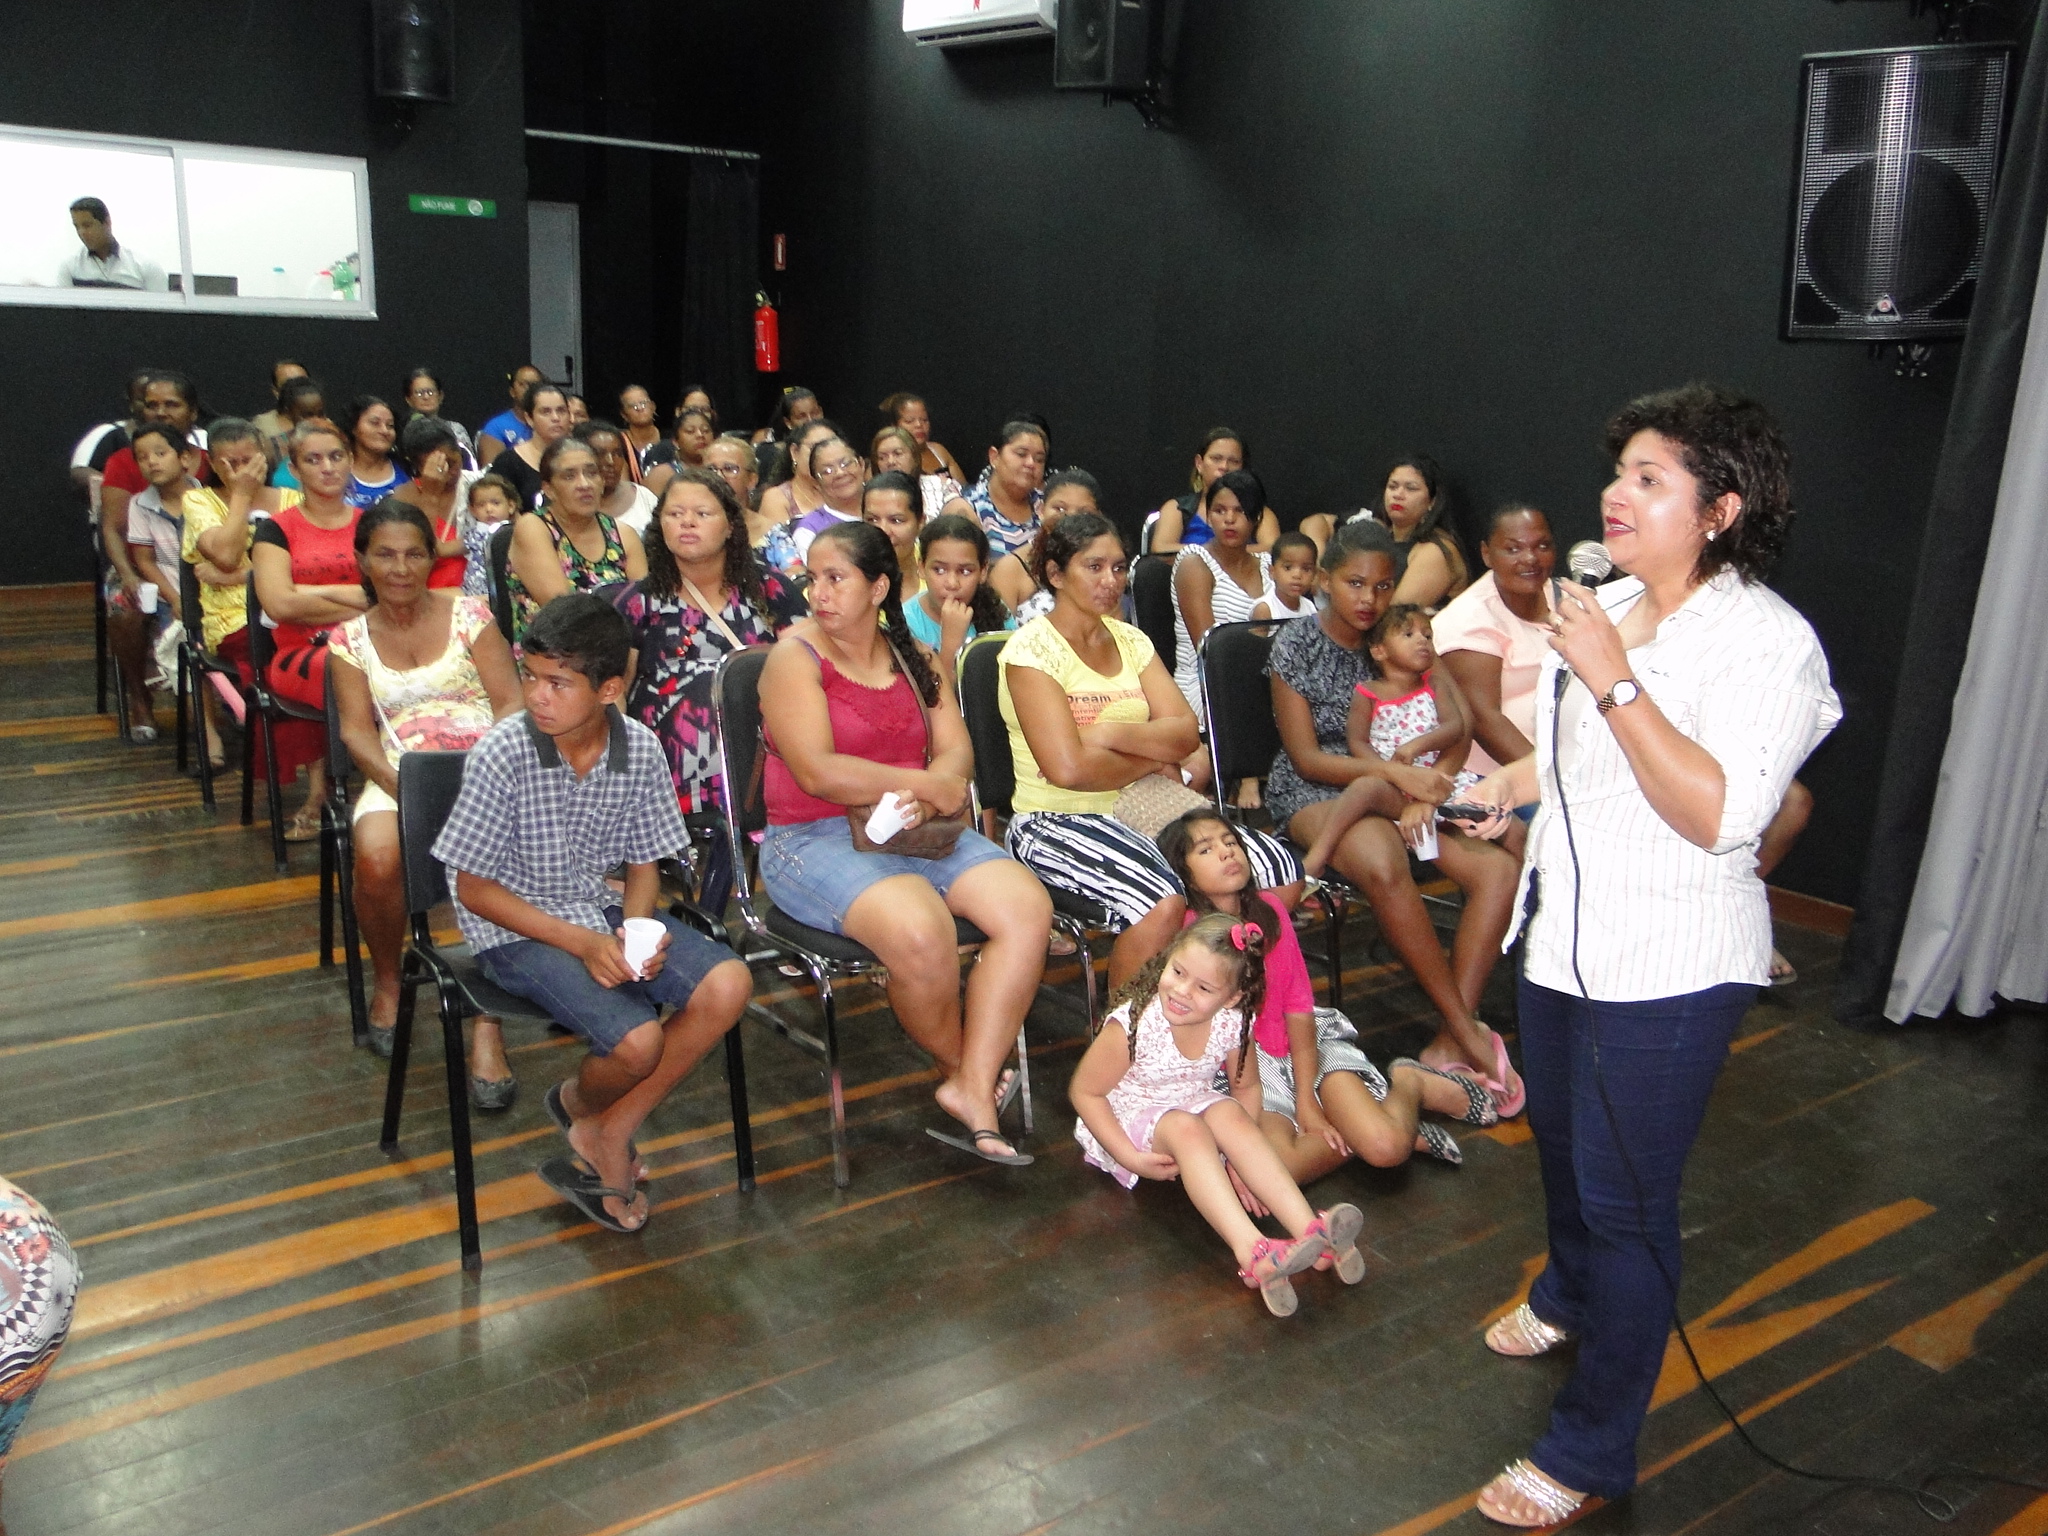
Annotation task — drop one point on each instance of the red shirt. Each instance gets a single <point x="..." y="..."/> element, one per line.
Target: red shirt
<point x="123" y="474"/>
<point x="883" y="725"/>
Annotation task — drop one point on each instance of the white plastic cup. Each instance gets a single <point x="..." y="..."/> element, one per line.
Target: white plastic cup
<point x="642" y="938"/>
<point x="1426" y="845"/>
<point x="145" y="597"/>
<point x="886" y="820"/>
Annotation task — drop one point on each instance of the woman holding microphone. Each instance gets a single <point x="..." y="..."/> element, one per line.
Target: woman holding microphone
<point x="1669" y="721"/>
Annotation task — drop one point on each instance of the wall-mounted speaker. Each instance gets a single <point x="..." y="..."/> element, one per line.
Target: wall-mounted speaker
<point x="1898" y="155"/>
<point x="412" y="49"/>
<point x="1105" y="45"/>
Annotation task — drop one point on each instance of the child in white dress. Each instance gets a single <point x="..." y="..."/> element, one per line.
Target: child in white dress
<point x="1150" y="1106"/>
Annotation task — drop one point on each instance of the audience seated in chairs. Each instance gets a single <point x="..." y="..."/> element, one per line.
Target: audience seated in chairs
<point x="554" y="799"/>
<point x="434" y="455"/>
<point x="374" y="470"/>
<point x="620" y="496"/>
<point x="852" y="712"/>
<point x="568" y="545"/>
<point x="1180" y="521"/>
<point x="1019" y="577"/>
<point x="490" y="503"/>
<point x="1429" y="566"/>
<point x="548" y="414"/>
<point x="306" y="579"/>
<point x="423" y="669"/>
<point x="954" y="603"/>
<point x="1092" y="712"/>
<point x="167" y="462"/>
<point x="509" y="427"/>
<point x="1216" y="582"/>
<point x="704" y="596"/>
<point x="1316" y="670"/>
<point x="1006" y="500"/>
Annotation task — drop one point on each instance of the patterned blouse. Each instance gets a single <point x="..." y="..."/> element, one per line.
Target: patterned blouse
<point x="38" y="1285"/>
<point x="679" y="656"/>
<point x="1327" y="676"/>
<point x="440" y="707"/>
<point x="585" y="575"/>
<point x="1004" y="536"/>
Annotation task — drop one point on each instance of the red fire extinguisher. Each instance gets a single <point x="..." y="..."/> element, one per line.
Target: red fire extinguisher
<point x="767" y="337"/>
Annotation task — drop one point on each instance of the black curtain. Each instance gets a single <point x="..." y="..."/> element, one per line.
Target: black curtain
<point x="720" y="278"/>
<point x="1952" y="550"/>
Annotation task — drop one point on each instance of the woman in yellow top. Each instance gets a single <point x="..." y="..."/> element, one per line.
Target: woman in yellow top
<point x="1092" y="710"/>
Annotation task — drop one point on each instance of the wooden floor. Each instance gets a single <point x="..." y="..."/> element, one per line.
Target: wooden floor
<point x="275" y="1336"/>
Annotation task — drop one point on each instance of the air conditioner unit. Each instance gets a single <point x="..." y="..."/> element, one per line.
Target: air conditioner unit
<point x="953" y="23"/>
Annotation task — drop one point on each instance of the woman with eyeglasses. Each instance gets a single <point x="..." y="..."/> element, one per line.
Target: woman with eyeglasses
<point x="839" y="473"/>
<point x="423" y="397"/>
<point x="570" y="544"/>
<point x="795" y="495"/>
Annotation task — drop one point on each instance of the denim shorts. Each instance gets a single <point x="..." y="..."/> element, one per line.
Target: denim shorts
<point x="603" y="1016"/>
<point x="814" y="873"/>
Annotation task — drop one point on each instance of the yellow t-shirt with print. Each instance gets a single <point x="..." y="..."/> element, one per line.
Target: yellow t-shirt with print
<point x="222" y="610"/>
<point x="1093" y="697"/>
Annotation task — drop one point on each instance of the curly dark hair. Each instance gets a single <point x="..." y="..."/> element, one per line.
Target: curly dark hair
<point x="742" y="570"/>
<point x="1217" y="933"/>
<point x="1731" y="445"/>
<point x="989" y="613"/>
<point x="875" y="557"/>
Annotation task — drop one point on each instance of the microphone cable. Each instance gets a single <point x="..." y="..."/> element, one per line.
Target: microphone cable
<point x="1931" y="1504"/>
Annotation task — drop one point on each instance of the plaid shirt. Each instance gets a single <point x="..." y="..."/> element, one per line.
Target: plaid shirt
<point x="526" y="821"/>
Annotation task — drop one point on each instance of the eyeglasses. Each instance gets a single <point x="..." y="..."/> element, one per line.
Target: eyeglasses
<point x="844" y="466"/>
<point x="729" y="471"/>
<point x="422" y="392"/>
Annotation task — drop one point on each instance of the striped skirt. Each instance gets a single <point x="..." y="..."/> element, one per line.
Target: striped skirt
<point x="1100" y="859"/>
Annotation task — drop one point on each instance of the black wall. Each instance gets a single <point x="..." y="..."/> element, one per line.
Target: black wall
<point x="450" y="292"/>
<point x="1472" y="230"/>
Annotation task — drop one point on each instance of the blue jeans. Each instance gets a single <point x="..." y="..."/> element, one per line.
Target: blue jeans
<point x="1605" y="1282"/>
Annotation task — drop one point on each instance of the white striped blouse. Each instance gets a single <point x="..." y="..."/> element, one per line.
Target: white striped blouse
<point x="1738" y="670"/>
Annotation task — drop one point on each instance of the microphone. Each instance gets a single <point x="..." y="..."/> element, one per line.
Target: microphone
<point x="1588" y="562"/>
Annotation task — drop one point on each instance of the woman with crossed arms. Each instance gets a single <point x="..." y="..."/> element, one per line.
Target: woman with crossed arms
<point x="1693" y="694"/>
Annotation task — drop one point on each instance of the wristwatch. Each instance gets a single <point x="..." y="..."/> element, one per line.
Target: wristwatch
<point x="1623" y="693"/>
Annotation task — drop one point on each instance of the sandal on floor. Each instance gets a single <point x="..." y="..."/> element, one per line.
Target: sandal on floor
<point x="1340" y="1226"/>
<point x="379" y="1041"/>
<point x="303" y="828"/>
<point x="1432" y="1140"/>
<point x="493" y="1095"/>
<point x="551" y="1101"/>
<point x="1275" y="1262"/>
<point x="1526" y="1332"/>
<point x="1782" y="972"/>
<point x="1480" y="1110"/>
<point x="588" y="1194"/>
<point x="1553" y="1504"/>
<point x="1509" y="1096"/>
<point x="972" y="1143"/>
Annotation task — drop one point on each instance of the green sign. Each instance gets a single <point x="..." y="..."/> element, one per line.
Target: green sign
<point x="454" y="207"/>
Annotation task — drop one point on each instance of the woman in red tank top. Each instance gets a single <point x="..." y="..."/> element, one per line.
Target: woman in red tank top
<point x="304" y="567"/>
<point x="847" y="719"/>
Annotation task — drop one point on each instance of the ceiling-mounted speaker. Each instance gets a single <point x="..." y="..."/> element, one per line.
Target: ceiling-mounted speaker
<point x="1105" y="45"/>
<point x="1898" y="156"/>
<point x="412" y="49"/>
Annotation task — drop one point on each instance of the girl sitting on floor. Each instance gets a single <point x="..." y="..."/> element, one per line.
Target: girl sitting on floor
<point x="1323" y="1099"/>
<point x="1149" y="1106"/>
<point x="1409" y="713"/>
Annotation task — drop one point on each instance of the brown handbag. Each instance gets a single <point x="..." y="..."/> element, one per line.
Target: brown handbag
<point x="933" y="839"/>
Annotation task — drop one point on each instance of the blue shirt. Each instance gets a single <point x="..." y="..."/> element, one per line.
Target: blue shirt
<point x="507" y="429"/>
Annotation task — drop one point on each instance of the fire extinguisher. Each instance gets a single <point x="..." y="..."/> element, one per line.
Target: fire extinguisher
<point x="767" y="336"/>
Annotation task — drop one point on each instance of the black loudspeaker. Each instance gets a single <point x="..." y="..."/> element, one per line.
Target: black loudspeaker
<point x="1104" y="45"/>
<point x="1898" y="154"/>
<point x="412" y="49"/>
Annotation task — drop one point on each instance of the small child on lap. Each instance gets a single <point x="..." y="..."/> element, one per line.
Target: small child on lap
<point x="553" y="800"/>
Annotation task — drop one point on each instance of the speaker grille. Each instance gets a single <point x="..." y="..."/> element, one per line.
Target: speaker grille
<point x="1898" y="158"/>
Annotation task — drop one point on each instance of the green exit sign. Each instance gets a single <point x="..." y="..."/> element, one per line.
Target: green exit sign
<point x="454" y="207"/>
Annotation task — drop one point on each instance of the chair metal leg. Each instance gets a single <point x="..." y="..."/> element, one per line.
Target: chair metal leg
<point x="1024" y="1079"/>
<point x="120" y="700"/>
<point x="326" y="892"/>
<point x="401" y="1049"/>
<point x="742" y="1123"/>
<point x="1087" y="978"/>
<point x="842" y="1171"/>
<point x="351" y="936"/>
<point x="277" y="848"/>
<point x="248" y="757"/>
<point x="201" y="684"/>
<point x="99" y="641"/>
<point x="458" y="1128"/>
<point x="1333" y="933"/>
<point x="184" y="673"/>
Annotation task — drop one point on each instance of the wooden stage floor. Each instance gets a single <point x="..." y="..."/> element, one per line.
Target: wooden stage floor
<point x="275" y="1336"/>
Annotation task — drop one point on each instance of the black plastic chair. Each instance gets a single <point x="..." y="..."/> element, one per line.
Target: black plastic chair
<point x="265" y="710"/>
<point x="497" y="561"/>
<point x="195" y="664"/>
<point x="428" y="786"/>
<point x="1152" y="597"/>
<point x="338" y="869"/>
<point x="995" y="786"/>
<point x="828" y="957"/>
<point x="102" y="657"/>
<point x="1244" y="737"/>
<point x="1145" y="532"/>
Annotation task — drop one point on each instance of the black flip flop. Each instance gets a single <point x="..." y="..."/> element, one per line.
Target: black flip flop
<point x="973" y="1144"/>
<point x="583" y="1191"/>
<point x="551" y="1101"/>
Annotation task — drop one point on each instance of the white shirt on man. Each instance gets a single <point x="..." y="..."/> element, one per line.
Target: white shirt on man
<point x="122" y="267"/>
<point x="1738" y="670"/>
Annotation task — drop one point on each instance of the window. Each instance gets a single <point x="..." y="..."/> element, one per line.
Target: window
<point x="201" y="227"/>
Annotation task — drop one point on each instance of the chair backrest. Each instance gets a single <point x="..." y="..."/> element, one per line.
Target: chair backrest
<point x="340" y="762"/>
<point x="736" y="704"/>
<point x="1152" y="594"/>
<point x="428" y="784"/>
<point x="262" y="640"/>
<point x="995" y="772"/>
<point x="496" y="562"/>
<point x="1238" y="700"/>
<point x="188" y="600"/>
<point x="1145" y="533"/>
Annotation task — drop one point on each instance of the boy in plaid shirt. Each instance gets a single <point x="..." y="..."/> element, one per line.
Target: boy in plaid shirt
<point x="552" y="801"/>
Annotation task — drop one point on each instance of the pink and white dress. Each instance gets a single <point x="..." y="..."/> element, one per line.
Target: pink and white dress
<point x="1160" y="1079"/>
<point x="1397" y="722"/>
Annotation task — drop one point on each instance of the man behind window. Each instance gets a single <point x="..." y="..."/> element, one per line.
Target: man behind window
<point x="102" y="261"/>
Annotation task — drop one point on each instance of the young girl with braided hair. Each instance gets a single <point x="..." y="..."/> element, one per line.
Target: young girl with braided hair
<point x="1150" y="1106"/>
